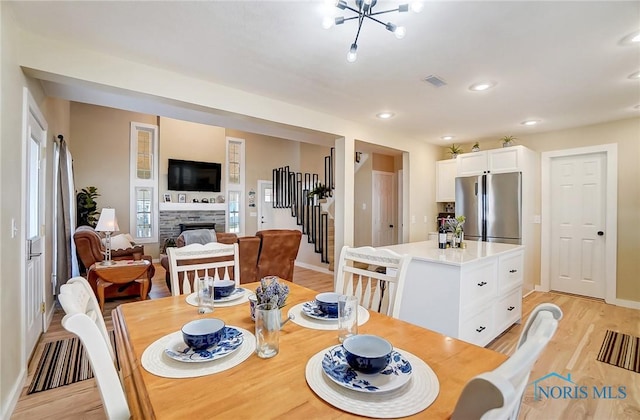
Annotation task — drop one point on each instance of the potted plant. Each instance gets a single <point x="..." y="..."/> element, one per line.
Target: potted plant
<point x="475" y="147"/>
<point x="455" y="226"/>
<point x="87" y="207"/>
<point x="454" y="150"/>
<point x="508" y="141"/>
<point x="320" y="190"/>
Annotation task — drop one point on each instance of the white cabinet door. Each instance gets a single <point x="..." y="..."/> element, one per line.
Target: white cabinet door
<point x="446" y="171"/>
<point x="474" y="163"/>
<point x="507" y="159"/>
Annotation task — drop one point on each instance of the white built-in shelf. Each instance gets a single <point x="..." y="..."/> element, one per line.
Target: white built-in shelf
<point x="193" y="207"/>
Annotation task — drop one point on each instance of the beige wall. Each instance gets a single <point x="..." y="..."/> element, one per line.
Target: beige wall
<point x="383" y="163"/>
<point x="626" y="134"/>
<point x="363" y="189"/>
<point x="190" y="141"/>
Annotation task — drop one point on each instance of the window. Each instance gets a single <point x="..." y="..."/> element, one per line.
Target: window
<point x="235" y="185"/>
<point x="234" y="212"/>
<point x="144" y="182"/>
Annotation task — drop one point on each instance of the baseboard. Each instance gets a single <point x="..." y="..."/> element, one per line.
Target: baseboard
<point x="539" y="288"/>
<point x="527" y="294"/>
<point x="627" y="303"/>
<point x="14" y="395"/>
<point x="313" y="267"/>
<point x="49" y="318"/>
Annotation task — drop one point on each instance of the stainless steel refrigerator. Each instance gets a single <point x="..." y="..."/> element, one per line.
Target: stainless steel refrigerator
<point x="492" y="205"/>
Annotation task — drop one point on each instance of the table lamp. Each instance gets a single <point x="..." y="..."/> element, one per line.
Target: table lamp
<point x="107" y="223"/>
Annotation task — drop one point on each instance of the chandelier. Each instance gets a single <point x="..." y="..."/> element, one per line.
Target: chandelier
<point x="364" y="10"/>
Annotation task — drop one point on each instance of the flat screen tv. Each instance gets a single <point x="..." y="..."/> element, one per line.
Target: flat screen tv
<point x="188" y="175"/>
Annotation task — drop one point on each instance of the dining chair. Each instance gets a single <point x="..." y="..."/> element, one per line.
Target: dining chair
<point x="84" y="319"/>
<point x="375" y="276"/>
<point x="189" y="263"/>
<point x="498" y="394"/>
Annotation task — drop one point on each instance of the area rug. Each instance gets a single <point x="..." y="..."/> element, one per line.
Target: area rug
<point x="63" y="362"/>
<point x="621" y="350"/>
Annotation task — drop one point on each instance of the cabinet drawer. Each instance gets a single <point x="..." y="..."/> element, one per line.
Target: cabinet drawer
<point x="508" y="310"/>
<point x="510" y="269"/>
<point x="478" y="285"/>
<point x="478" y="329"/>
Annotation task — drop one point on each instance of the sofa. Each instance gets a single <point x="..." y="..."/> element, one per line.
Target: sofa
<point x="269" y="252"/>
<point x="90" y="250"/>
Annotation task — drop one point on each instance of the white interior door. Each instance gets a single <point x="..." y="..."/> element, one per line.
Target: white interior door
<point x="36" y="134"/>
<point x="265" y="201"/>
<point x="578" y="202"/>
<point x="383" y="209"/>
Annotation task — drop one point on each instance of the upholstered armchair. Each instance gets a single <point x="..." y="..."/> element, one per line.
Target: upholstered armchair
<point x="278" y="252"/>
<point x="248" y="248"/>
<point x="90" y="250"/>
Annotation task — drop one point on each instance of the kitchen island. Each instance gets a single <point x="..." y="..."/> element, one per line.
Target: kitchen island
<point x="473" y="294"/>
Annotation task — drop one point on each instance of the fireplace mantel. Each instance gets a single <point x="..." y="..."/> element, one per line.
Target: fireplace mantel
<point x="193" y="207"/>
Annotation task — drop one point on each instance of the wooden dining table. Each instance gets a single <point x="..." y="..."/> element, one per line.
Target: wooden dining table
<point x="275" y="387"/>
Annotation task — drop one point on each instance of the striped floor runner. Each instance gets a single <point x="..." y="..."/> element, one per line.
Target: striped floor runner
<point x="621" y="350"/>
<point x="63" y="362"/>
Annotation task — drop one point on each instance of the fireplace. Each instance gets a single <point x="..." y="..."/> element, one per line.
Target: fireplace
<point x="196" y="225"/>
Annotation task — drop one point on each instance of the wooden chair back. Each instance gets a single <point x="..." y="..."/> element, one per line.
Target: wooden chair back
<point x="375" y="276"/>
<point x="498" y="394"/>
<point x="192" y="262"/>
<point x="84" y="319"/>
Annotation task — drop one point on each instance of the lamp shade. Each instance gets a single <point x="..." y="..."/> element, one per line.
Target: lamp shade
<point x="108" y="221"/>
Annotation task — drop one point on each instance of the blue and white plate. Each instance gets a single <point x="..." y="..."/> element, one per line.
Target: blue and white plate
<point x="230" y="342"/>
<point x="312" y="310"/>
<point x="236" y="294"/>
<point x="396" y="374"/>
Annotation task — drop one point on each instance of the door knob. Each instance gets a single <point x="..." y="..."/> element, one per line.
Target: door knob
<point x="390" y="226"/>
<point x="600" y="233"/>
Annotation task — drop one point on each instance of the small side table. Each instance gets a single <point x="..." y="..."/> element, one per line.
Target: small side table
<point x="122" y="272"/>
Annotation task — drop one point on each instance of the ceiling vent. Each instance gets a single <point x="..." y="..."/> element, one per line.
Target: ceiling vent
<point x="434" y="80"/>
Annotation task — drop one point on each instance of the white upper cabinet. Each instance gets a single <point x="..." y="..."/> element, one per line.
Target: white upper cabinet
<point x="446" y="172"/>
<point x="507" y="159"/>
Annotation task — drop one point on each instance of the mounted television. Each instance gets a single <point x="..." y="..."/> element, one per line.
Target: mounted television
<point x="187" y="175"/>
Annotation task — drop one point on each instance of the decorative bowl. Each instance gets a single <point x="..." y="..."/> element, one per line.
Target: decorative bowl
<point x="203" y="333"/>
<point x="367" y="353"/>
<point x="328" y="302"/>
<point x="223" y="288"/>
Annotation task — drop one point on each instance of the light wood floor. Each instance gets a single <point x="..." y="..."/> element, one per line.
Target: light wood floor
<point x="572" y="350"/>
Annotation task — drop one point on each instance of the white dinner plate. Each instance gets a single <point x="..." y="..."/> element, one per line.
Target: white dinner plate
<point x="230" y="342"/>
<point x="312" y="310"/>
<point x="396" y="374"/>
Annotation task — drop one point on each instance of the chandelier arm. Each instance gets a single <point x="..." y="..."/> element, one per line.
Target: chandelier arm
<point x="352" y="9"/>
<point x="360" y="21"/>
<point x="375" y="20"/>
<point x="384" y="11"/>
<point x="351" y="18"/>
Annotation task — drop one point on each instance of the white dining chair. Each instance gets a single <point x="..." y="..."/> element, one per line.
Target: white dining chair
<point x="84" y="319"/>
<point x="375" y="276"/>
<point x="498" y="394"/>
<point x="189" y="263"/>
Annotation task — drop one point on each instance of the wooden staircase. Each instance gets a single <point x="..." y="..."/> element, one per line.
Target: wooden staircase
<point x="310" y="202"/>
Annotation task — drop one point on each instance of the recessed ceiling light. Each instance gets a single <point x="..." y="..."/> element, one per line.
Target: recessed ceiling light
<point x="635" y="75"/>
<point x="479" y="87"/>
<point x="631" y="39"/>
<point x="385" y="115"/>
<point x="530" y="122"/>
<point x="447" y="137"/>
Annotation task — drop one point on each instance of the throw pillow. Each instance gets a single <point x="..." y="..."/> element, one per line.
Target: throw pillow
<point x="120" y="242"/>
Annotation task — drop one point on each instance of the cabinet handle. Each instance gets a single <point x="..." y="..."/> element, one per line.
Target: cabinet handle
<point x="480" y="329"/>
<point x="482" y="283"/>
<point x="513" y="271"/>
<point x="511" y="308"/>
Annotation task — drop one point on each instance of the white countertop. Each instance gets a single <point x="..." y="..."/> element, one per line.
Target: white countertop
<point x="475" y="251"/>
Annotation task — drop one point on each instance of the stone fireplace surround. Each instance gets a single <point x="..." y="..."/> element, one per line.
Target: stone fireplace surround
<point x="170" y="221"/>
